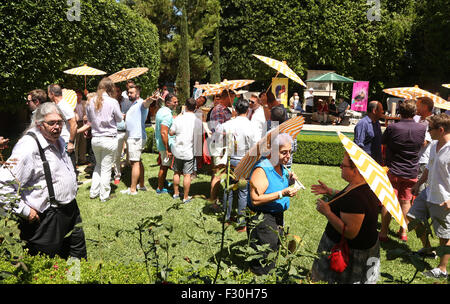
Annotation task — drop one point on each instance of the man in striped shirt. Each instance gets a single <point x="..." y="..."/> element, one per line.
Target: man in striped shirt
<point x="44" y="222"/>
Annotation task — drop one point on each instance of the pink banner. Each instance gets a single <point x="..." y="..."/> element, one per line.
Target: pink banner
<point x="360" y="96"/>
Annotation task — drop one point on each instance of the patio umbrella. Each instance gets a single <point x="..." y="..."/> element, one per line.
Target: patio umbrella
<point x="227" y="85"/>
<point x="415" y="92"/>
<point x="207" y="86"/>
<point x="281" y="67"/>
<point x="262" y="148"/>
<point x="70" y="96"/>
<point x="330" y="77"/>
<point x="85" y="71"/>
<point x="126" y="74"/>
<point x="376" y="178"/>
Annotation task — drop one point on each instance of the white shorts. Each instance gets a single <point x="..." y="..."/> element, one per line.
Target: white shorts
<point x="135" y="148"/>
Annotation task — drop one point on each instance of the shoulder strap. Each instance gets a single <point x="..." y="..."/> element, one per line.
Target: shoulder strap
<point x="48" y="175"/>
<point x="346" y="191"/>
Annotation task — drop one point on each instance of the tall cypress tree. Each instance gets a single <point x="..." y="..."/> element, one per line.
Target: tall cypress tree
<point x="215" y="68"/>
<point x="183" y="79"/>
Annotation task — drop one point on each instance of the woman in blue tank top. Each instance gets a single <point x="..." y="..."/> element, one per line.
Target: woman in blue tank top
<point x="270" y="195"/>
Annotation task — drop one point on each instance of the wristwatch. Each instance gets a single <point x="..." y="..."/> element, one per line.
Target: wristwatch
<point x="71" y="141"/>
<point x="280" y="194"/>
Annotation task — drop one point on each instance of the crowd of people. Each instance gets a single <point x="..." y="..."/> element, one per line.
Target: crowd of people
<point x="324" y="110"/>
<point x="110" y="125"/>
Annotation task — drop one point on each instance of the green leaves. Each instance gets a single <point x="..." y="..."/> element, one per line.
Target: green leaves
<point x="38" y="45"/>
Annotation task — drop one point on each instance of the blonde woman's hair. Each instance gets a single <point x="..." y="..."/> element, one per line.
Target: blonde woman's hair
<point x="105" y="86"/>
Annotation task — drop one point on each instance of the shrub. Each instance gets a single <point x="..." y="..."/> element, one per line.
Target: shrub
<point x="150" y="146"/>
<point x="319" y="150"/>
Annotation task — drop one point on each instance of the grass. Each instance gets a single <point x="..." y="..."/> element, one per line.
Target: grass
<point x="122" y="212"/>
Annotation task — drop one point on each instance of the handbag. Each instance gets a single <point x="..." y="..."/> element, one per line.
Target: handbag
<point x="339" y="255"/>
<point x="205" y="155"/>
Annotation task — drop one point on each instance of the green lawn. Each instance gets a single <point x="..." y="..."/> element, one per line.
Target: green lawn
<point x="122" y="212"/>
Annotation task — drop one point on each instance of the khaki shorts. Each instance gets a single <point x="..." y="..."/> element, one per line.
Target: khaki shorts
<point x="135" y="148"/>
<point x="165" y="161"/>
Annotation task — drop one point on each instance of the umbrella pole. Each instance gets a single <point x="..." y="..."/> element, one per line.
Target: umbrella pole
<point x="272" y="82"/>
<point x="85" y="85"/>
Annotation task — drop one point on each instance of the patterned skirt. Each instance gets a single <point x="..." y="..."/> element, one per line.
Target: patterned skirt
<point x="363" y="266"/>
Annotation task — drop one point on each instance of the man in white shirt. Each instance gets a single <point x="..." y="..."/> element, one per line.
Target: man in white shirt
<point x="240" y="131"/>
<point x="48" y="211"/>
<point x="257" y="117"/>
<point x="69" y="130"/>
<point x="434" y="201"/>
<point x="136" y="137"/>
<point x="185" y="128"/>
<point x="309" y="100"/>
<point x="424" y="109"/>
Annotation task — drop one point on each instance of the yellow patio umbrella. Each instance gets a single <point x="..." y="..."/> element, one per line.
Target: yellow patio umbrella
<point x="207" y="86"/>
<point x="127" y="74"/>
<point x="416" y="92"/>
<point x="227" y="85"/>
<point x="209" y="89"/>
<point x="85" y="71"/>
<point x="70" y="96"/>
<point x="376" y="178"/>
<point x="291" y="126"/>
<point x="281" y="67"/>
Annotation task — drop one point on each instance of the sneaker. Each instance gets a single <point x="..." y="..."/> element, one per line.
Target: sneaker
<point x="427" y="253"/>
<point x="187" y="200"/>
<point x="128" y="191"/>
<point x="163" y="190"/>
<point x="168" y="184"/>
<point x="139" y="188"/>
<point x="435" y="273"/>
<point x="176" y="196"/>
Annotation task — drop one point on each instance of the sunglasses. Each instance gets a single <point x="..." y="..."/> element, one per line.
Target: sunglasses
<point x="51" y="123"/>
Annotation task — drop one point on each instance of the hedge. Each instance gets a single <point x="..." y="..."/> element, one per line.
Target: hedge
<point x="38" y="42"/>
<point x="311" y="149"/>
<point x="319" y="150"/>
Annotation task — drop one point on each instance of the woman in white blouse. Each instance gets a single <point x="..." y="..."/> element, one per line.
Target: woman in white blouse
<point x="103" y="113"/>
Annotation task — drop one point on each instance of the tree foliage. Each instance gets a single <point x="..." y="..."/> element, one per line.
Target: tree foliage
<point x="338" y="35"/>
<point x="183" y="79"/>
<point x="38" y="42"/>
<point x="203" y="17"/>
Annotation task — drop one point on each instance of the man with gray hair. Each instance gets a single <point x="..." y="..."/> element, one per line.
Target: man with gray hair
<point x="46" y="205"/>
<point x="368" y="131"/>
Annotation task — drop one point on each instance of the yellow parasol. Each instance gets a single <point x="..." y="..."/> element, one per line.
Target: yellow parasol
<point x="291" y="126"/>
<point x="85" y="71"/>
<point x="70" y="96"/>
<point x="376" y="178"/>
<point x="126" y="74"/>
<point x="227" y="85"/>
<point x="415" y="92"/>
<point x="281" y="67"/>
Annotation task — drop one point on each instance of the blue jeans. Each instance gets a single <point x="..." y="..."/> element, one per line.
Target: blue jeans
<point x="242" y="197"/>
